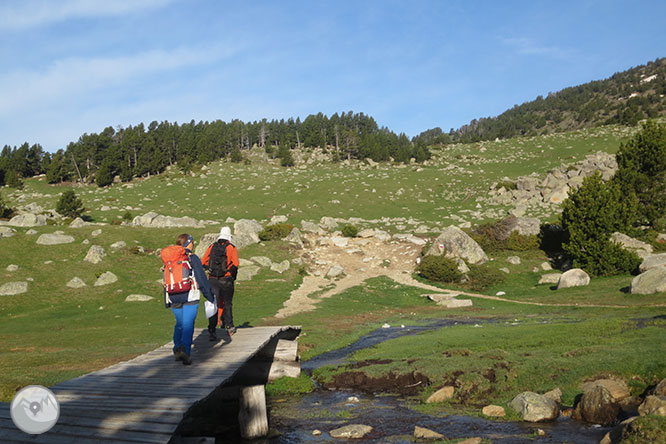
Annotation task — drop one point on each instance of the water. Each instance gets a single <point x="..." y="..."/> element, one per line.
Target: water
<point x="390" y="416"/>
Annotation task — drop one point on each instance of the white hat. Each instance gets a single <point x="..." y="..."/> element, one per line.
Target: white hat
<point x="225" y="233"/>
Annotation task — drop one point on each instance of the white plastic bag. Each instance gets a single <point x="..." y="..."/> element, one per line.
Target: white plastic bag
<point x="209" y="308"/>
<point x="193" y="295"/>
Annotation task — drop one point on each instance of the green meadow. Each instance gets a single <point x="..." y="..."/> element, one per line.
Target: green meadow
<point x="53" y="333"/>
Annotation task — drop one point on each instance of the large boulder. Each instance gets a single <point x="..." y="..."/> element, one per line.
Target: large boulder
<point x="54" y="239"/>
<point x="653" y="405"/>
<point x="534" y="407"/>
<point x="573" y="278"/>
<point x="523" y="225"/>
<point x="328" y="223"/>
<point x="295" y="237"/>
<point x="642" y="249"/>
<point x="27" y="220"/>
<point x="454" y="242"/>
<point x="652" y="281"/>
<point x="106" y="278"/>
<point x="13" y="288"/>
<point x="95" y="254"/>
<point x="205" y="242"/>
<point x="652" y="261"/>
<point x="598" y="406"/>
<point x="246" y="232"/>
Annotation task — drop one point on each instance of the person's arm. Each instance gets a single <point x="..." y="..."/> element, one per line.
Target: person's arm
<point x="206" y="257"/>
<point x="232" y="261"/>
<point x="200" y="276"/>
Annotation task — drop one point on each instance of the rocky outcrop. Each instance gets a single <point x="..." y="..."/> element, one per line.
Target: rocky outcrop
<point x="652" y="281"/>
<point x="453" y="242"/>
<point x="573" y="278"/>
<point x="7" y="232"/>
<point x="653" y="405"/>
<point x="154" y="220"/>
<point x="534" y="407"/>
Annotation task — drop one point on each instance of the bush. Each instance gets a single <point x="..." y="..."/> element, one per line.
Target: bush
<point x="127" y="217"/>
<point x="349" y="231"/>
<point x="497" y="236"/>
<point x="12" y="180"/>
<point x="439" y="269"/>
<point x="104" y="175"/>
<point x="521" y="242"/>
<point x="69" y="205"/>
<point x="551" y="237"/>
<point x="483" y="276"/>
<point x="236" y="156"/>
<point x="275" y="232"/>
<point x="589" y="216"/>
<point x="5" y="211"/>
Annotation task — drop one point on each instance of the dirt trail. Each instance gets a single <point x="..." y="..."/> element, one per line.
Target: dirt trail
<point x="363" y="259"/>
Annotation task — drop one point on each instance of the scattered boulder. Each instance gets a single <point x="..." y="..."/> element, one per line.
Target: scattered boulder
<point x="294" y="237"/>
<point x="652" y="281"/>
<point x="95" y="254"/>
<point x="513" y="260"/>
<point x="423" y="433"/>
<point x="352" y="431"/>
<point x="118" y="245"/>
<point x="382" y="235"/>
<point x="339" y="241"/>
<point x="335" y="271"/>
<point x="652" y="261"/>
<point x="30" y="232"/>
<point x="328" y="223"/>
<point x="278" y="220"/>
<point x="12" y="267"/>
<point x="494" y="411"/>
<point x="457" y="303"/>
<point x="534" y="407"/>
<point x="280" y="267"/>
<point x="454" y="242"/>
<point x="27" y="220"/>
<point x="555" y="395"/>
<point x="441" y="395"/>
<point x="13" y="288"/>
<point x="205" y="242"/>
<point x="76" y="282"/>
<point x="471" y="441"/>
<point x="154" y="220"/>
<point x="106" y="278"/>
<point x="660" y="389"/>
<point x="246" y="232"/>
<point x="642" y="249"/>
<point x="527" y="226"/>
<point x="310" y="227"/>
<point x="653" y="405"/>
<point x="96" y="232"/>
<point x="77" y="223"/>
<point x="247" y="273"/>
<point x="550" y="278"/>
<point x="617" y="388"/>
<point x="573" y="278"/>
<point x="7" y="232"/>
<point x="262" y="260"/>
<point x="367" y="233"/>
<point x="138" y="298"/>
<point x="598" y="406"/>
<point x="440" y="298"/>
<point x="54" y="239"/>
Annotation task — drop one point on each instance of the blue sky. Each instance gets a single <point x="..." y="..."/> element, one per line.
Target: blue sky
<point x="76" y="66"/>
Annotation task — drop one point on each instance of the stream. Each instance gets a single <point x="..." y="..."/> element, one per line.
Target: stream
<point x="390" y="416"/>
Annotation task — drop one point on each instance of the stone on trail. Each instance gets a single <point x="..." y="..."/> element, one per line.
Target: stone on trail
<point x="76" y="282"/>
<point x="95" y="254"/>
<point x="534" y="407"/>
<point x="138" y="298"/>
<point x="280" y="267"/>
<point x="493" y="410"/>
<point x="339" y="241"/>
<point x="54" y="239"/>
<point x="328" y="223"/>
<point x="368" y="232"/>
<point x="352" y="431"/>
<point x="652" y="281"/>
<point x="441" y="395"/>
<point x="13" y="288"/>
<point x="335" y="271"/>
<point x="423" y="433"/>
<point x="453" y="242"/>
<point x="573" y="278"/>
<point x="550" y="278"/>
<point x="294" y="237"/>
<point x="106" y="278"/>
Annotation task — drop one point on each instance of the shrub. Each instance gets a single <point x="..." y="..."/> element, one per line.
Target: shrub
<point x="483" y="276"/>
<point x="521" y="242"/>
<point x="12" y="180"/>
<point x="497" y="236"/>
<point x="69" y="205"/>
<point x="104" y="175"/>
<point x="236" y="155"/>
<point x="439" y="269"/>
<point x="349" y="231"/>
<point x="275" y="232"/>
<point x="589" y="216"/>
<point x="551" y="237"/>
<point x="5" y="211"/>
<point x="127" y="217"/>
<point x="507" y="184"/>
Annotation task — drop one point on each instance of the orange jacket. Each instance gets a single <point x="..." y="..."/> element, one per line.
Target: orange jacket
<point x="232" y="259"/>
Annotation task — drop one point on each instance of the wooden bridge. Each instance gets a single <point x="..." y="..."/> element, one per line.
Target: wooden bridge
<point x="145" y="399"/>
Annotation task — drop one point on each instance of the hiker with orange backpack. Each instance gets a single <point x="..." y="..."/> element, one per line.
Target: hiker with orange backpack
<point x="221" y="261"/>
<point x="184" y="281"/>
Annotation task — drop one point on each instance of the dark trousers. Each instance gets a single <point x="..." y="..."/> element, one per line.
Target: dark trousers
<point x="223" y="289"/>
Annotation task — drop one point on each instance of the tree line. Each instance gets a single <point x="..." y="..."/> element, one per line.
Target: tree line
<point x="140" y="150"/>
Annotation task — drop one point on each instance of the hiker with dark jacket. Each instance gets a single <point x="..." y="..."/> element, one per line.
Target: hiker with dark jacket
<point x="185" y="305"/>
<point x="221" y="261"/>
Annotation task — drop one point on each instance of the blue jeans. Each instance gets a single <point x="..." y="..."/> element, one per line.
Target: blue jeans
<point x="184" y="329"/>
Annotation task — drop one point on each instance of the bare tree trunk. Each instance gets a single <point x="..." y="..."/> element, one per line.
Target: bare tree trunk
<point x="262" y="135"/>
<point x="298" y="141"/>
<point x="77" y="168"/>
<point x="134" y="148"/>
<point x="337" y="139"/>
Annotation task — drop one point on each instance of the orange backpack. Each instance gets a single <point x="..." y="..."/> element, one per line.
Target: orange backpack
<point x="177" y="269"/>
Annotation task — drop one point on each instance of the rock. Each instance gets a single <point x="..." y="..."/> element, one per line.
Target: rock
<point x="77" y="223"/>
<point x="660" y="389"/>
<point x="471" y="441"/>
<point x="505" y="270"/>
<point x="244" y="239"/>
<point x="27" y="220"/>
<point x="352" y="431"/>
<point x="653" y="405"/>
<point x="154" y="220"/>
<point x="534" y="407"/>
<point x="247" y="273"/>
<point x="316" y="432"/>
<point x="550" y="278"/>
<point x="597" y="406"/>
<point x="382" y="236"/>
<point x="513" y="260"/>
<point x="95" y="254"/>
<point x="278" y="220"/>
<point x="280" y="267"/>
<point x="340" y="241"/>
<point x="30" y="232"/>
<point x="309" y="227"/>
<point x="54" y="239"/>
<point x="262" y="260"/>
<point x="441" y="395"/>
<point x="13" y="288"/>
<point x="573" y="278"/>
<point x="7" y="232"/>
<point x="328" y="223"/>
<point x="415" y="240"/>
<point x="138" y="298"/>
<point x="423" y="433"/>
<point x="558" y="195"/>
<point x="367" y="233"/>
<point x="493" y="410"/>
<point x="527" y="226"/>
<point x="628" y="243"/>
<point x="652" y="281"/>
<point x="555" y="395"/>
<point x="335" y="271"/>
<point x="294" y="237"/>
<point x="652" y="261"/>
<point x="439" y="297"/>
<point x="76" y="283"/>
<point x="96" y="233"/>
<point x="616" y="388"/>
<point x="545" y="266"/>
<point x="118" y="245"/>
<point x="453" y="242"/>
<point x="457" y="303"/>
<point x="106" y="278"/>
<point x="205" y="242"/>
<point x="12" y="267"/>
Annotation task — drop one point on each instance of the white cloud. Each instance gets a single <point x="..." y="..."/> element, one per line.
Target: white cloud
<point x="527" y="46"/>
<point x="22" y="14"/>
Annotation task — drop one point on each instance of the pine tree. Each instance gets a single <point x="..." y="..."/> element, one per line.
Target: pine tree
<point x="69" y="205"/>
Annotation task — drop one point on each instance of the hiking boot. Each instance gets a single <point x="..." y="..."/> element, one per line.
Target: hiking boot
<point x="186" y="359"/>
<point x="231" y="330"/>
<point x="178" y="353"/>
<point x="212" y="336"/>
